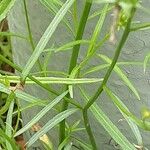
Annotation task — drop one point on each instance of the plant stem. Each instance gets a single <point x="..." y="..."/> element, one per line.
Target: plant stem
<point x="79" y="35"/>
<point x="74" y="58"/>
<point x="108" y="73"/>
<point x="30" y="33"/>
<point x="75" y="18"/>
<point x="89" y="130"/>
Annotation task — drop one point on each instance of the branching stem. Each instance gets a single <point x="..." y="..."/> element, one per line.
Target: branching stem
<point x="106" y="77"/>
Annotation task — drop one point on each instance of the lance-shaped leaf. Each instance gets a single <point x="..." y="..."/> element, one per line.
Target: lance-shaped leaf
<point x="52" y="80"/>
<point x="108" y="125"/>
<point x="41" y="114"/>
<point x="132" y="125"/>
<point x="121" y="75"/>
<point x="46" y="37"/>
<point x="50" y="124"/>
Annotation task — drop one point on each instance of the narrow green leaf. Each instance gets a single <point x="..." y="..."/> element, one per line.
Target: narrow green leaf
<point x="31" y="105"/>
<point x="41" y="114"/>
<point x="132" y="125"/>
<point x="111" y="128"/>
<point x="65" y="142"/>
<point x="12" y="34"/>
<point x="52" y="6"/>
<point x="146" y="61"/>
<point x="121" y="75"/>
<point x="70" y="88"/>
<point x="5" y="6"/>
<point x="11" y="141"/>
<point x="9" y="118"/>
<point x="142" y="124"/>
<point x="67" y="46"/>
<point x="97" y="68"/>
<point x="141" y="26"/>
<point x="103" y="66"/>
<point x="50" y="72"/>
<point x="52" y="80"/>
<point x="83" y="144"/>
<point x="108" y="125"/>
<point x="71" y="44"/>
<point x="98" y="12"/>
<point x="7" y="103"/>
<point x="46" y="37"/>
<point x="50" y="124"/>
<point x="22" y="95"/>
<point x="97" y="30"/>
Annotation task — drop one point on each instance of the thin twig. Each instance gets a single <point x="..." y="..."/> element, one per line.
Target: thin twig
<point x="74" y="58"/>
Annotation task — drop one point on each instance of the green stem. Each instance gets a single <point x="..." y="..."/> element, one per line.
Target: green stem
<point x="75" y="18"/>
<point x="30" y="33"/>
<point x="89" y="130"/>
<point x="74" y="58"/>
<point x="108" y="73"/>
<point x="79" y="35"/>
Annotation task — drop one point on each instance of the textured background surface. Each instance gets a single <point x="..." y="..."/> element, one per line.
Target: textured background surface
<point x="137" y="46"/>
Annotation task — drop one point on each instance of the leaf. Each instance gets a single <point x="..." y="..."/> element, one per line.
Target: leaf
<point x="140" y="26"/>
<point x="142" y="124"/>
<point x="83" y="144"/>
<point x="9" y="122"/>
<point x="53" y="8"/>
<point x="103" y="66"/>
<point x="11" y="141"/>
<point x="132" y="125"/>
<point x="121" y="75"/>
<point x="50" y="72"/>
<point x="12" y="34"/>
<point x="70" y="88"/>
<point x="108" y="125"/>
<point x="71" y="44"/>
<point x="50" y="124"/>
<point x="97" y="13"/>
<point x="52" y="80"/>
<point x="65" y="142"/>
<point x="7" y="103"/>
<point x="46" y="37"/>
<point x="41" y="114"/>
<point x="67" y="46"/>
<point x="97" y="30"/>
<point x="97" y="68"/>
<point x="22" y="95"/>
<point x="31" y="105"/>
<point x="5" y="6"/>
<point x="146" y="61"/>
<point x="111" y="128"/>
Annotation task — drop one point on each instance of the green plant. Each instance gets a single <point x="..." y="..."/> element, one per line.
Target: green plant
<point x="123" y="20"/>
